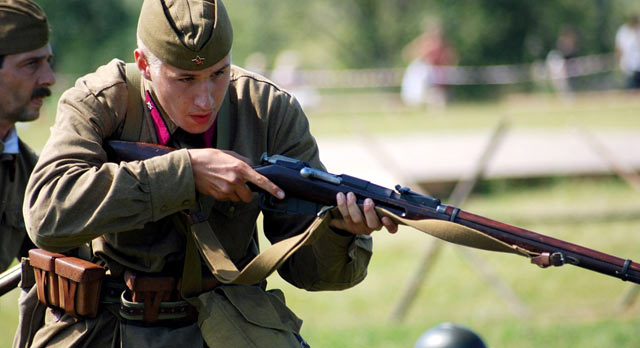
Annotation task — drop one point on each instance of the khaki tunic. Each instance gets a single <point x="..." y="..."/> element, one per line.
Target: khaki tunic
<point x="14" y="173"/>
<point x="75" y="196"/>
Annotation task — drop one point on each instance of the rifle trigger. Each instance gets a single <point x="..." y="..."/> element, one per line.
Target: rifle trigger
<point x="545" y="260"/>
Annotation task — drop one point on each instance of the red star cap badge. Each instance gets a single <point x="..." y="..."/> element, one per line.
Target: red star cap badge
<point x="198" y="60"/>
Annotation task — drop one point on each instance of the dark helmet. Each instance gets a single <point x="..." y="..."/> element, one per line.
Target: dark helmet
<point x="448" y="335"/>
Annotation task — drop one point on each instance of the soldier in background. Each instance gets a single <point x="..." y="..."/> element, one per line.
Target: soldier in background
<point x="25" y="78"/>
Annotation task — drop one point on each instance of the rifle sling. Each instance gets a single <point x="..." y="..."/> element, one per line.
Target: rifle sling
<point x="273" y="257"/>
<point x="459" y="234"/>
<point x="133" y="119"/>
<point x="261" y="266"/>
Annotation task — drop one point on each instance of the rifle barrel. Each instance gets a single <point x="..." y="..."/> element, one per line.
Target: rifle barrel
<point x="9" y="279"/>
<point x="572" y="253"/>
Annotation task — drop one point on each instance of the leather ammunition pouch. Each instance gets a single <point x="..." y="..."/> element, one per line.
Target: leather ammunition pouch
<point x="43" y="264"/>
<point x="68" y="283"/>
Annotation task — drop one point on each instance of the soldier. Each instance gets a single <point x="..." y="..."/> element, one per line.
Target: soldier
<point x="221" y="118"/>
<point x="25" y="78"/>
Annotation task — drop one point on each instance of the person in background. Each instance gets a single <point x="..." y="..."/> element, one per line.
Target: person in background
<point x="424" y="81"/>
<point x="559" y="63"/>
<point x="628" y="50"/>
<point x="25" y="78"/>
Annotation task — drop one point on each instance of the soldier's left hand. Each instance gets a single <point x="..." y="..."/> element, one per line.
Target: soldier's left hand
<point x="360" y="221"/>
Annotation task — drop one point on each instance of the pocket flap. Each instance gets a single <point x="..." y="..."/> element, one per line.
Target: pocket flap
<point x="262" y="308"/>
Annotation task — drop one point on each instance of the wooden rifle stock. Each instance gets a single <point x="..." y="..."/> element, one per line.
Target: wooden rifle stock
<point x="305" y="183"/>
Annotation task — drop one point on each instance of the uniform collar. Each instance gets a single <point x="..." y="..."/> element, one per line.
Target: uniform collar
<point x="10" y="144"/>
<point x="171" y="126"/>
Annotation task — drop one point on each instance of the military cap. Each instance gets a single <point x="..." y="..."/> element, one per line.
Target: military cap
<point x="23" y="26"/>
<point x="186" y="34"/>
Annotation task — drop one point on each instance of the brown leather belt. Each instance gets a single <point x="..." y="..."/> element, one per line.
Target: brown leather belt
<point x="167" y="313"/>
<point x="156" y="300"/>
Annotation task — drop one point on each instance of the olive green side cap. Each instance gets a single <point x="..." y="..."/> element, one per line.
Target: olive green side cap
<point x="186" y="34"/>
<point x="23" y="27"/>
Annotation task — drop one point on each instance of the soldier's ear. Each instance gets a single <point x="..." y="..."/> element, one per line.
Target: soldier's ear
<point x="143" y="63"/>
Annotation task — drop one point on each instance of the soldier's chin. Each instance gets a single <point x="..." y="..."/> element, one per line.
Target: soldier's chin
<point x="31" y="112"/>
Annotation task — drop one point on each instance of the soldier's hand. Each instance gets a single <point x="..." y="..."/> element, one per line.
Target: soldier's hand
<point x="224" y="175"/>
<point x="357" y="221"/>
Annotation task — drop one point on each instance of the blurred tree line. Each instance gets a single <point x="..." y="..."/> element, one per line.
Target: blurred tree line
<point x="350" y="33"/>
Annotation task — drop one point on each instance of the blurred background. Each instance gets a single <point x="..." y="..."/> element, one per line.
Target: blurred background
<point x="361" y="34"/>
<point x="521" y="111"/>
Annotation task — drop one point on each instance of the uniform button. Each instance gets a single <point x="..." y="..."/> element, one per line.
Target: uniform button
<point x="186" y="203"/>
<point x="232" y="209"/>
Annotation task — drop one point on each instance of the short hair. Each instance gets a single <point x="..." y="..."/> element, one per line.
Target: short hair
<point x="2" y="60"/>
<point x="153" y="61"/>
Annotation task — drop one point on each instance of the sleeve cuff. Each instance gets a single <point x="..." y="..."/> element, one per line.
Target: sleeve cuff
<point x="341" y="232"/>
<point x="339" y="238"/>
<point x="171" y="183"/>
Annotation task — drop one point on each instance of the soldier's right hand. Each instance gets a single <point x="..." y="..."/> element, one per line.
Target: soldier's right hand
<point x="224" y="175"/>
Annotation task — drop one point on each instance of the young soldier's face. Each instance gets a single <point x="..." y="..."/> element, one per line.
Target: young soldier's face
<point x="192" y="99"/>
<point x="24" y="81"/>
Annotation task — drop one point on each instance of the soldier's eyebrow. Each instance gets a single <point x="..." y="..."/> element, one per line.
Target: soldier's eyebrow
<point x="222" y="68"/>
<point x="184" y="75"/>
<point x="37" y="58"/>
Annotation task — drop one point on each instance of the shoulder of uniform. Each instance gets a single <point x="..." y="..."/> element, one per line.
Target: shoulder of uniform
<point x="97" y="96"/>
<point x="248" y="85"/>
<point x="105" y="77"/>
<point x="241" y="76"/>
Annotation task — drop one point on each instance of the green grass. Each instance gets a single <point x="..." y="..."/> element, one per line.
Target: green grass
<point x="567" y="306"/>
<point x="8" y="317"/>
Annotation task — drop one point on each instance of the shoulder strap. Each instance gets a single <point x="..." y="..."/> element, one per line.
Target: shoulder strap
<point x="133" y="120"/>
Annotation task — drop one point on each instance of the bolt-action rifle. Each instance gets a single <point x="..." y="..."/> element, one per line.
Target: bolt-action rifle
<point x="309" y="189"/>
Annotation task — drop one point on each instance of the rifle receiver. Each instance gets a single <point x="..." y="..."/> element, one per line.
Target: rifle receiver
<point x="308" y="172"/>
<point x="417" y="198"/>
